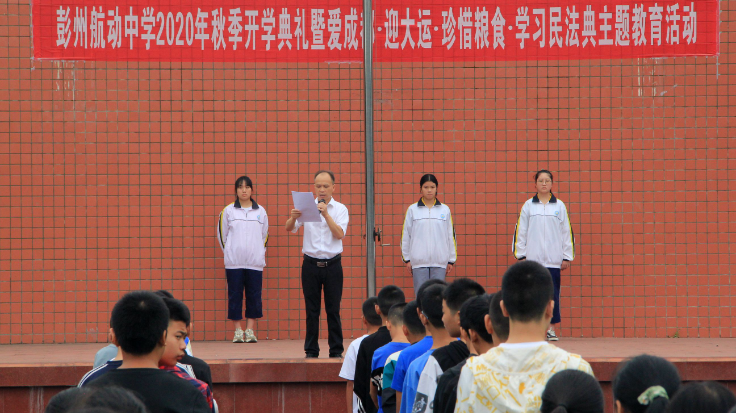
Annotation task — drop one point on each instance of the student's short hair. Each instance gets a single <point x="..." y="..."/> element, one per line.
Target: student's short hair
<point x="708" y="396"/>
<point x="139" y="320"/>
<point x="396" y="314"/>
<point x="111" y="398"/>
<point x="411" y="319"/>
<point x="473" y="316"/>
<point x="388" y="296"/>
<point x="369" y="312"/>
<point x="640" y="373"/>
<point x="574" y="391"/>
<point x="459" y="291"/>
<point x="424" y="286"/>
<point x="432" y="304"/>
<point x="64" y="401"/>
<point x="178" y="311"/>
<point x="324" y="171"/>
<point x="164" y="294"/>
<point x="527" y="290"/>
<point x="499" y="322"/>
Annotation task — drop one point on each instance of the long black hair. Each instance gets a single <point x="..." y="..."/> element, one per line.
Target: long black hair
<point x="244" y="180"/>
<point x="572" y="391"/>
<point x="636" y="376"/>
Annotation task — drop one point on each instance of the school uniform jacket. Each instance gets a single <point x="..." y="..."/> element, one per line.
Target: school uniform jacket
<point x="543" y="233"/>
<point x="243" y="234"/>
<point x="428" y="238"/>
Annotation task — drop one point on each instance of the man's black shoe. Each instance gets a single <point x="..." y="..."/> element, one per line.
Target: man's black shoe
<point x="311" y="356"/>
<point x="335" y="356"/>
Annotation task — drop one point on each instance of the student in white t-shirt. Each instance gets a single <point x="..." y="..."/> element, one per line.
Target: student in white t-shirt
<point x="510" y="378"/>
<point x="348" y="365"/>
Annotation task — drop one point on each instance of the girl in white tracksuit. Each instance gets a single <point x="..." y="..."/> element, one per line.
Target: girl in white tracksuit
<point x="428" y="245"/>
<point x="242" y="232"/>
<point x="544" y="234"/>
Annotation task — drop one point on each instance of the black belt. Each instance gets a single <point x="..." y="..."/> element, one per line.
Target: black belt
<point x="323" y="263"/>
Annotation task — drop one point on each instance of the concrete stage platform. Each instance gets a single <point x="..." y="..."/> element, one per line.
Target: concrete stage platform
<point x="272" y="376"/>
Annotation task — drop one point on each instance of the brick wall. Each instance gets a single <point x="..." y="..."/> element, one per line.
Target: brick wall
<point x="113" y="174"/>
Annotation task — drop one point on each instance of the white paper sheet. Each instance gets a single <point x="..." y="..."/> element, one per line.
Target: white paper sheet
<point x="304" y="202"/>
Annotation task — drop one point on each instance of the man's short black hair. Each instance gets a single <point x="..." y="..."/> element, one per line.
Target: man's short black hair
<point x="178" y="311"/>
<point x="388" y="296"/>
<point x="139" y="320"/>
<point x="424" y="286"/>
<point x="324" y="171"/>
<point x="432" y="304"/>
<point x="499" y="321"/>
<point x="459" y="291"/>
<point x="411" y="319"/>
<point x="396" y="314"/>
<point x="473" y="316"/>
<point x="527" y="290"/>
<point x="369" y="312"/>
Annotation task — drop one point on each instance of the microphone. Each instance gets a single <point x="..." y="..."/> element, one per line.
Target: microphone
<point x="321" y="201"/>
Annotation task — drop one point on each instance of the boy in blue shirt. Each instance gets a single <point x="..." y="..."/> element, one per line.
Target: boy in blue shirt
<point x="431" y="316"/>
<point x="415" y="350"/>
<point x="395" y="325"/>
<point x="414" y="331"/>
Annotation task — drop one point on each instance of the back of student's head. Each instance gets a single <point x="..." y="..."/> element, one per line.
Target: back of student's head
<point x="411" y="319"/>
<point x="432" y="304"/>
<point x="396" y="314"/>
<point x="460" y="291"/>
<point x="709" y="396"/>
<point x="111" y="398"/>
<point x="369" y="312"/>
<point x="388" y="296"/>
<point x="472" y="316"/>
<point x="178" y="311"/>
<point x="424" y="286"/>
<point x="139" y="320"/>
<point x="572" y="391"/>
<point x="651" y="379"/>
<point x="527" y="290"/>
<point x="64" y="401"/>
<point x="499" y="321"/>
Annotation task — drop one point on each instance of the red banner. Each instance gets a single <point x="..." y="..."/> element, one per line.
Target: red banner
<point x="332" y="30"/>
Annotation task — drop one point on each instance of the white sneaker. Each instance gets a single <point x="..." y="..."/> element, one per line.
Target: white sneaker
<point x="238" y="338"/>
<point x="250" y="337"/>
<point x="551" y="336"/>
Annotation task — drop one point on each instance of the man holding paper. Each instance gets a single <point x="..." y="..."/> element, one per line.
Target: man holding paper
<point x="321" y="267"/>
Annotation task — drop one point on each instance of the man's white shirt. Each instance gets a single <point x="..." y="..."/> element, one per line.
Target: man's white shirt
<point x="318" y="239"/>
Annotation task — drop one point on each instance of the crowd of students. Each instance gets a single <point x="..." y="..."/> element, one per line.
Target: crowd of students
<point x="453" y="349"/>
<point x="458" y="349"/>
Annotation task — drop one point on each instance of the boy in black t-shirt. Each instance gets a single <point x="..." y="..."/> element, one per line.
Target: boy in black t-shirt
<point x="140" y="321"/>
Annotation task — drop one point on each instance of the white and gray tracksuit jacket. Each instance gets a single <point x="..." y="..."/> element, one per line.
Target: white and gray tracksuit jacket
<point x="428" y="238"/>
<point x="242" y="234"/>
<point x="543" y="233"/>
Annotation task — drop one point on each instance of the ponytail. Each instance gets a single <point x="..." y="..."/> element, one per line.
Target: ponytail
<point x="645" y="384"/>
<point x="658" y="405"/>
